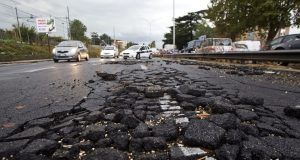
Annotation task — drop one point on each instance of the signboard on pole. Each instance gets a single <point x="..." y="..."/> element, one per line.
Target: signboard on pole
<point x="45" y="25"/>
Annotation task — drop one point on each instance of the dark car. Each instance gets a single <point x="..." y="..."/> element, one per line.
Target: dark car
<point x="287" y="42"/>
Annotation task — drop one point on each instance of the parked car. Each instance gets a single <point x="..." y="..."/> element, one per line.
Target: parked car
<point x="70" y="50"/>
<point x="137" y="52"/>
<point x="251" y="45"/>
<point x="287" y="42"/>
<point x="216" y="45"/>
<point x="237" y="47"/>
<point x="109" y="52"/>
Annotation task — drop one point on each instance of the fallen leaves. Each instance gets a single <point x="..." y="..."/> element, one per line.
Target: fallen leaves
<point x="203" y="115"/>
<point x="19" y="107"/>
<point x="8" y="125"/>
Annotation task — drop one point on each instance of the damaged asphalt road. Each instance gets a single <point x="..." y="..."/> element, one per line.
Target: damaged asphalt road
<point x="145" y="110"/>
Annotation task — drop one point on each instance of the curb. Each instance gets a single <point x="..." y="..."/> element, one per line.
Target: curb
<point x="25" y="61"/>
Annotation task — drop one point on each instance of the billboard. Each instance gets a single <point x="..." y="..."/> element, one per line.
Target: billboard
<point x="45" y="25"/>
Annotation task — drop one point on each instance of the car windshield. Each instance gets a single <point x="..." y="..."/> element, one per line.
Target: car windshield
<point x="109" y="48"/>
<point x="243" y="46"/>
<point x="68" y="44"/>
<point x="136" y="47"/>
<point x="222" y="42"/>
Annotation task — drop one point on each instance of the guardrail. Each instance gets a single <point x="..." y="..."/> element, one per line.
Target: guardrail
<point x="286" y="56"/>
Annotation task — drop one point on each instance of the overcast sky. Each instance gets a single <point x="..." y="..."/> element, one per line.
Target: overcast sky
<point x="130" y="18"/>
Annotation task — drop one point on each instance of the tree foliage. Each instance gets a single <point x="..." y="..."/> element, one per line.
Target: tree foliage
<point x="95" y="38"/>
<point x="152" y="44"/>
<point x="129" y="44"/>
<point x="78" y="29"/>
<point x="234" y="17"/>
<point x="188" y="28"/>
<point x="106" y="38"/>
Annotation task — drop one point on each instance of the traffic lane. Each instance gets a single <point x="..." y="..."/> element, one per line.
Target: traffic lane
<point x="37" y="92"/>
<point x="275" y="96"/>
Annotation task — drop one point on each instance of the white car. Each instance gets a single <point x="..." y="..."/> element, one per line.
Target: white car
<point x="251" y="45"/>
<point x="109" y="52"/>
<point x="237" y="47"/>
<point x="137" y="52"/>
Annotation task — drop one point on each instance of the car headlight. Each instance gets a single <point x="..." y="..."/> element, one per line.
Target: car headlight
<point x="53" y="50"/>
<point x="73" y="50"/>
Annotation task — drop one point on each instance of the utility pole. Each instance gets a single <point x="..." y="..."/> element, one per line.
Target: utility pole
<point x="174" y="23"/>
<point x="114" y="37"/>
<point x="69" y="31"/>
<point x="18" y="23"/>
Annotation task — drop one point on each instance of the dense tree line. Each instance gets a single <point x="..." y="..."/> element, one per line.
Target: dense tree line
<point x="232" y="18"/>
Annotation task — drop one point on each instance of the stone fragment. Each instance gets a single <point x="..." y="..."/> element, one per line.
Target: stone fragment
<point x="154" y="143"/>
<point x="203" y="133"/>
<point x="41" y="146"/>
<point x="246" y="115"/>
<point x="94" y="132"/>
<point x="106" y="154"/>
<point x="28" y="133"/>
<point x="167" y="129"/>
<point x="154" y="91"/>
<point x="186" y="153"/>
<point x="13" y="147"/>
<point x="226" y="120"/>
<point x="142" y="130"/>
<point x="227" y="152"/>
<point x="292" y="111"/>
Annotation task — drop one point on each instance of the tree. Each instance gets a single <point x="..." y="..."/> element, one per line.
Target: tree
<point x="28" y="34"/>
<point x="78" y="29"/>
<point x="129" y="44"/>
<point x="234" y="17"/>
<point x="204" y="29"/>
<point x="152" y="44"/>
<point x="95" y="38"/>
<point x="106" y="38"/>
<point x="186" y="29"/>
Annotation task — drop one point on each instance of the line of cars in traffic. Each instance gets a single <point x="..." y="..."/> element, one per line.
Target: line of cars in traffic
<point x="76" y="50"/>
<point x="224" y="45"/>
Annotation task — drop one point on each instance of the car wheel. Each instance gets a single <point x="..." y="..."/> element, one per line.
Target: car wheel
<point x="69" y="60"/>
<point x="87" y="57"/>
<point x="150" y="56"/>
<point x="78" y="58"/>
<point x="55" y="60"/>
<point x="138" y="56"/>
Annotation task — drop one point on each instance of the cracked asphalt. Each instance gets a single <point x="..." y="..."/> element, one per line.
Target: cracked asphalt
<point x="43" y="103"/>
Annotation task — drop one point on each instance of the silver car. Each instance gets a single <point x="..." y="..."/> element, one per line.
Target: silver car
<point x="70" y="50"/>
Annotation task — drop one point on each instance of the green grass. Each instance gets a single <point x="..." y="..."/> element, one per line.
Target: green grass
<point x="94" y="52"/>
<point x="12" y="51"/>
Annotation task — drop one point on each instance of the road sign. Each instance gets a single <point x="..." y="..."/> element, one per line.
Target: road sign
<point x="45" y="25"/>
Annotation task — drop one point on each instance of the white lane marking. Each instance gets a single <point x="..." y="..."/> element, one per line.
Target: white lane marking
<point x="38" y="69"/>
<point x="144" y="67"/>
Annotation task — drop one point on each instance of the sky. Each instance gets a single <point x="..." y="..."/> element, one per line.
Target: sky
<point x="139" y="21"/>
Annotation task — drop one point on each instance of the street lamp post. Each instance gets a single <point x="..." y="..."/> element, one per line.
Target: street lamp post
<point x="150" y="27"/>
<point x="174" y="33"/>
